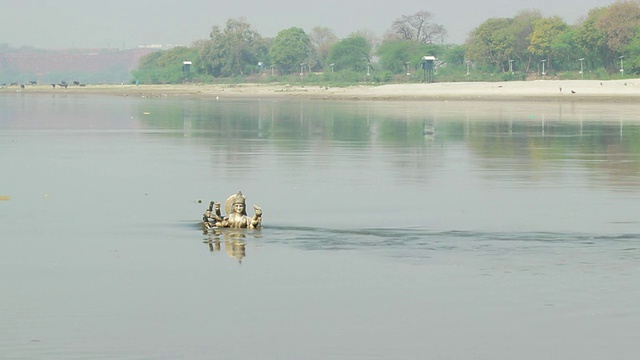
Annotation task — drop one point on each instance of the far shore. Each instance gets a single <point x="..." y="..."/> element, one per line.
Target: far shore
<point x="624" y="90"/>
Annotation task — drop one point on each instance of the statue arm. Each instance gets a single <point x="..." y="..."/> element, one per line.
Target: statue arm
<point x="208" y="213"/>
<point x="217" y="215"/>
<point x="214" y="216"/>
<point x="256" y="221"/>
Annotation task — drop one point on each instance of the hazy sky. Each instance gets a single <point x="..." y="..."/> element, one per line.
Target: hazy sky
<point x="126" y="24"/>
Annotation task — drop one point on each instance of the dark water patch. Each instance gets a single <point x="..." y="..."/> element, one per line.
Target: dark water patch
<point x="423" y="243"/>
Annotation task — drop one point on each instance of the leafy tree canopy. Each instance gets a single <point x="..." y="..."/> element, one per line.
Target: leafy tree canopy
<point x="351" y="53"/>
<point x="234" y="50"/>
<point x="400" y="56"/>
<point x="591" y="40"/>
<point x="491" y="42"/>
<point x="545" y="33"/>
<point x="619" y="23"/>
<point x="166" y="66"/>
<point x="290" y="48"/>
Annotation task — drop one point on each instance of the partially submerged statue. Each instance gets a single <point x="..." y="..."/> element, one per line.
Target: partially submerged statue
<point x="236" y="218"/>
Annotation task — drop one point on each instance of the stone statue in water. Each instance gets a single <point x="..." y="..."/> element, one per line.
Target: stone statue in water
<point x="236" y="218"/>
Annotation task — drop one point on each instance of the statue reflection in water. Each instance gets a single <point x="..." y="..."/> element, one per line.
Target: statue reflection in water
<point x="231" y="227"/>
<point x="234" y="242"/>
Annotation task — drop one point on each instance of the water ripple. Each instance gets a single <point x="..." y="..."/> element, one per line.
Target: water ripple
<point x="413" y="239"/>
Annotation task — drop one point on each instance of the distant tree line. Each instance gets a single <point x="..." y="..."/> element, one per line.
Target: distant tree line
<point x="238" y="51"/>
<point x="606" y="40"/>
<point x="604" y="44"/>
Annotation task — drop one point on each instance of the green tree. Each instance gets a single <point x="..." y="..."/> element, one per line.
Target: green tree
<point x="351" y="53"/>
<point x="619" y="23"/>
<point x="400" y="56"/>
<point x="161" y="67"/>
<point x="491" y="43"/>
<point x="290" y="48"/>
<point x="234" y="50"/>
<point x="454" y="55"/>
<point x="566" y="51"/>
<point x="545" y="36"/>
<point x="592" y="40"/>
<point x="396" y="55"/>
<point x="522" y="28"/>
<point x="632" y="57"/>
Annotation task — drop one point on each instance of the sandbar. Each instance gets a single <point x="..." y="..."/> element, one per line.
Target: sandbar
<point x="623" y="90"/>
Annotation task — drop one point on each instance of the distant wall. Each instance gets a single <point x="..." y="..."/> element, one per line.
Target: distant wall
<point x="87" y="65"/>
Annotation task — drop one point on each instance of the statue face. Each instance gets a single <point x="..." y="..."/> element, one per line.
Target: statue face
<point x="238" y="208"/>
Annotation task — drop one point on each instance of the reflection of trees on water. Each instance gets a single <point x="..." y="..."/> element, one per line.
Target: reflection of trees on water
<point x="412" y="137"/>
<point x="234" y="241"/>
<point x="61" y="111"/>
<point x="605" y="147"/>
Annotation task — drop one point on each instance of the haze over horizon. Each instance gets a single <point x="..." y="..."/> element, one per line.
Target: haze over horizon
<point x="127" y="24"/>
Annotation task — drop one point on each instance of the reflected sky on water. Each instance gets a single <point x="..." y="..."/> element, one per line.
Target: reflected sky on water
<point x="392" y="230"/>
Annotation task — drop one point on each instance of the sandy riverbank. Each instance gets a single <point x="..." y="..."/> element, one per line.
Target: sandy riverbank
<point x="627" y="90"/>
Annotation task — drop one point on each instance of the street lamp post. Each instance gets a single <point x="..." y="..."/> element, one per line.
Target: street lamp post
<point x="622" y="65"/>
<point x="581" y="68"/>
<point x="543" y="73"/>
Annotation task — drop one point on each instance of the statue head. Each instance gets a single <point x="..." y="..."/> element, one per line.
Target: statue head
<point x="239" y="198"/>
<point x="236" y="204"/>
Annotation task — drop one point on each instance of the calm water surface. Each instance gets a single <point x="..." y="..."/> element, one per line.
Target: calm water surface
<point x="392" y="230"/>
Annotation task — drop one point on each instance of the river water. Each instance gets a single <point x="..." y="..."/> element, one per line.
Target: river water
<point x="392" y="230"/>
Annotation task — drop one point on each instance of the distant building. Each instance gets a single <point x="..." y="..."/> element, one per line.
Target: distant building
<point x="151" y="46"/>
